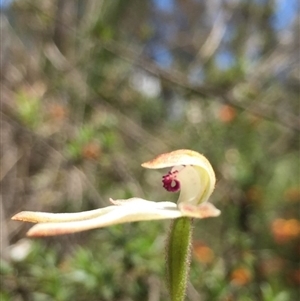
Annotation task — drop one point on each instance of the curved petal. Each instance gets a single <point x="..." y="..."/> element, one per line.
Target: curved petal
<point x="184" y="157"/>
<point x="180" y="157"/>
<point x="191" y="184"/>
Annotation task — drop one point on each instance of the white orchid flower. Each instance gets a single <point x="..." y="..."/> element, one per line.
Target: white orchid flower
<point x="191" y="174"/>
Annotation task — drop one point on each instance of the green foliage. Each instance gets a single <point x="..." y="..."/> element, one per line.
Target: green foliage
<point x="112" y="267"/>
<point x="29" y="109"/>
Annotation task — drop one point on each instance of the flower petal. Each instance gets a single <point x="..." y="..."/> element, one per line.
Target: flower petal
<point x="192" y="185"/>
<point x="45" y="217"/>
<point x="180" y="157"/>
<point x="184" y="157"/>
<point x="202" y="211"/>
<point x="120" y="214"/>
<point x="143" y="202"/>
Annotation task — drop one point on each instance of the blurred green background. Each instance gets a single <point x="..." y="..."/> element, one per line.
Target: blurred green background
<point x="91" y="89"/>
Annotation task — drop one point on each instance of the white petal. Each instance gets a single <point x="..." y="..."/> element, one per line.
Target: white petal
<point x="45" y="217"/>
<point x="121" y="214"/>
<point x="192" y="185"/>
<point x="143" y="202"/>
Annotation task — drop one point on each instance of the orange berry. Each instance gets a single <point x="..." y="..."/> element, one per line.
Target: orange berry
<point x="241" y="276"/>
<point x="57" y="111"/>
<point x="292" y="194"/>
<point x="91" y="150"/>
<point x="227" y="113"/>
<point x="203" y="253"/>
<point x="285" y="230"/>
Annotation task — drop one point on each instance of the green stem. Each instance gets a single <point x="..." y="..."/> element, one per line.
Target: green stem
<point x="178" y="257"/>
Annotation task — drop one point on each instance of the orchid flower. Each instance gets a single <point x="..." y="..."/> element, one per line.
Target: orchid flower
<point x="191" y="174"/>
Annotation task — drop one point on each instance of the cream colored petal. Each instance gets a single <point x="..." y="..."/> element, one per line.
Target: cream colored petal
<point x="191" y="184"/>
<point x="45" y="217"/>
<point x="120" y="214"/>
<point x="180" y="157"/>
<point x="202" y="211"/>
<point x="203" y="174"/>
<point x="143" y="202"/>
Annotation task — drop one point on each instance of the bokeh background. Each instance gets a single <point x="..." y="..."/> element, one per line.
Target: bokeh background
<point x="91" y="89"/>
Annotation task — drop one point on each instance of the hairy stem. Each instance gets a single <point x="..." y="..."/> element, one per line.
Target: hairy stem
<point x="178" y="257"/>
